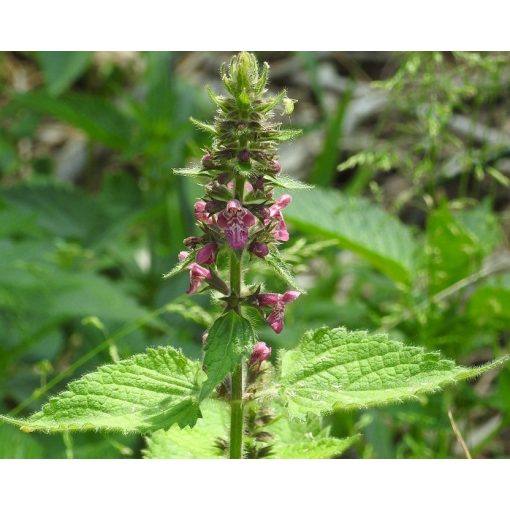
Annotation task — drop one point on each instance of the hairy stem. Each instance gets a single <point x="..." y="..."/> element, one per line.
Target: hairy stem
<point x="236" y="416"/>
<point x="236" y="402"/>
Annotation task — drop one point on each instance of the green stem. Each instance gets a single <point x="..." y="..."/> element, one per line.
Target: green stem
<point x="236" y="401"/>
<point x="236" y="416"/>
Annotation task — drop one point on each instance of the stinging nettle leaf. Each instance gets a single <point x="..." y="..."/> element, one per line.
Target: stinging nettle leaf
<point x="287" y="182"/>
<point x="141" y="394"/>
<point x="207" y="128"/>
<point x="192" y="443"/>
<point x="288" y="134"/>
<point x="358" y="225"/>
<point x="282" y="269"/>
<point x="336" y="369"/>
<point x="230" y="338"/>
<point x="291" y="440"/>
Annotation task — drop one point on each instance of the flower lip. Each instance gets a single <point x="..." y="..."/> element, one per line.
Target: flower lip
<point x="261" y="352"/>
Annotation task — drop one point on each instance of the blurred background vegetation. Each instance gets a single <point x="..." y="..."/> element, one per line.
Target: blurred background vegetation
<point x="406" y="231"/>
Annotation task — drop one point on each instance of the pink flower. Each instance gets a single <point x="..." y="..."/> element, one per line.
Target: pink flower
<point x="201" y="213"/>
<point x="207" y="254"/>
<point x="235" y="220"/>
<point x="259" y="249"/>
<point x="260" y="353"/>
<point x="277" y="167"/>
<point x="280" y="232"/>
<point x="278" y="303"/>
<point x="197" y="273"/>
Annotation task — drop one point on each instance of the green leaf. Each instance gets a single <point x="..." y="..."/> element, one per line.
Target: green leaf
<point x="453" y="252"/>
<point x="288" y="134"/>
<point x="16" y="445"/>
<point x="96" y="116"/>
<point x="180" y="265"/>
<point x="192" y="443"/>
<point x="292" y="440"/>
<point x="190" y="172"/>
<point x="358" y="225"/>
<point x="337" y="369"/>
<point x="62" y="68"/>
<point x="207" y="128"/>
<point x="489" y="305"/>
<point x="141" y="394"/>
<point x="230" y="338"/>
<point x="324" y="170"/>
<point x="305" y="439"/>
<point x="287" y="182"/>
<point x="281" y="268"/>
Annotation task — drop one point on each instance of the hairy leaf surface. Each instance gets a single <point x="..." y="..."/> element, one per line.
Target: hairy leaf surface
<point x="291" y="440"/>
<point x="143" y="393"/>
<point x="230" y="337"/>
<point x="337" y="369"/>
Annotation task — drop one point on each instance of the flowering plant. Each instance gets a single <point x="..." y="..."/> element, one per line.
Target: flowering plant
<point x="234" y="402"/>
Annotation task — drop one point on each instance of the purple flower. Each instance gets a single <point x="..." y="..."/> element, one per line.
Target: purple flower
<point x="277" y="166"/>
<point x="259" y="249"/>
<point x="244" y="156"/>
<point x="207" y="161"/>
<point x="280" y="231"/>
<point x="201" y="213"/>
<point x="235" y="220"/>
<point x="260" y="353"/>
<point x="207" y="254"/>
<point x="278" y="303"/>
<point x="197" y="274"/>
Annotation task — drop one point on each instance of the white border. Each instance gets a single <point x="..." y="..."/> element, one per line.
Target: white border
<point x="262" y="25"/>
<point x="247" y="485"/>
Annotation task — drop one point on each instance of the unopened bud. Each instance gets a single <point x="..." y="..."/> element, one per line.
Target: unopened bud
<point x="259" y="249"/>
<point x="244" y="156"/>
<point x="260" y="353"/>
<point x="207" y="161"/>
<point x="277" y="166"/>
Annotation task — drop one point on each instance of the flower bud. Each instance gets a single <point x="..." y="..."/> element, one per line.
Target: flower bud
<point x="207" y="161"/>
<point x="260" y="353"/>
<point x="207" y="254"/>
<point x="277" y="167"/>
<point x="191" y="242"/>
<point x="259" y="249"/>
<point x="244" y="156"/>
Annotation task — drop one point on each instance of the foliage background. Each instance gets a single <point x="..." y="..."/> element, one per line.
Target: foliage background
<point x="406" y="231"/>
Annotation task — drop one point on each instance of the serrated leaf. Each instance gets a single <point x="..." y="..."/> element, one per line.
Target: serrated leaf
<point x="281" y="268"/>
<point x="305" y="439"/>
<point x="180" y="265"/>
<point x="337" y="369"/>
<point x="230" y="337"/>
<point x="296" y="440"/>
<point x="326" y="448"/>
<point x="287" y="182"/>
<point x="141" y="394"/>
<point x="288" y="134"/>
<point x="203" y="126"/>
<point x="192" y="443"/>
<point x="358" y="225"/>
